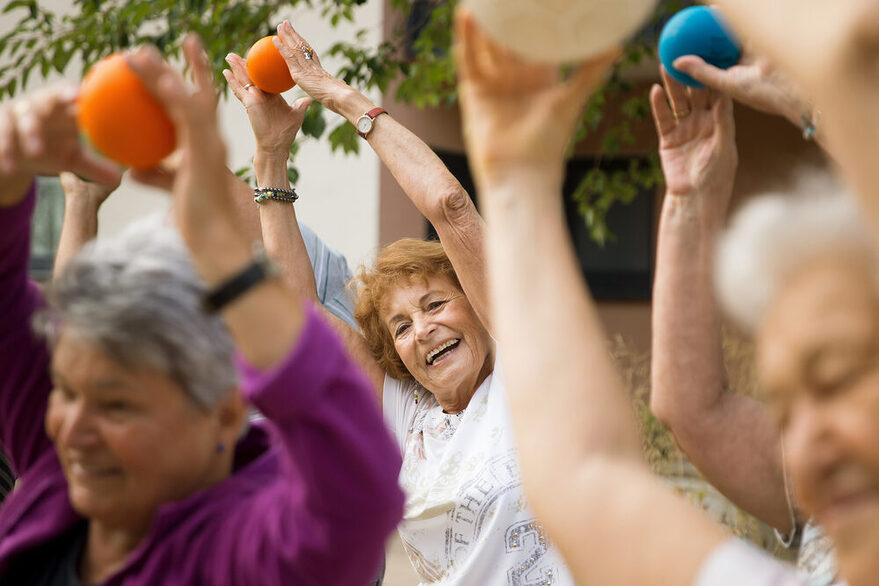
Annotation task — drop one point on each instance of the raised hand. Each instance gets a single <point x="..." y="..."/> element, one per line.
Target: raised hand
<point x="275" y="123"/>
<point x="696" y="142"/>
<point x="753" y="81"/>
<point x="515" y="111"/>
<point x="93" y="192"/>
<point x="306" y="70"/>
<point x="39" y="135"/>
<point x="203" y="208"/>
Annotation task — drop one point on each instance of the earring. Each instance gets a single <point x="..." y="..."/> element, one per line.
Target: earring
<point x="416" y="395"/>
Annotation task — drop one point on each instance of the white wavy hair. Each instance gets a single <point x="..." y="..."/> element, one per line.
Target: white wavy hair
<point x="774" y="236"/>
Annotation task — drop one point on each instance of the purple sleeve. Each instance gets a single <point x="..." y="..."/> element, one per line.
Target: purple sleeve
<point x="328" y="518"/>
<point x="24" y="358"/>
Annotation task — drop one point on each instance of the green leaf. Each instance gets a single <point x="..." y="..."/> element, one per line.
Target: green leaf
<point x="345" y="137"/>
<point x="314" y="124"/>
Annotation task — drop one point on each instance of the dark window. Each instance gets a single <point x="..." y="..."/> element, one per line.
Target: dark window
<point x="621" y="269"/>
<point x="46" y="227"/>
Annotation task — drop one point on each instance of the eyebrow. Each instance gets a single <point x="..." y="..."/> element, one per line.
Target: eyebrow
<point x="421" y="301"/>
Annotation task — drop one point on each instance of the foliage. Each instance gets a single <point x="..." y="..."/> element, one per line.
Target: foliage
<point x="417" y="55"/>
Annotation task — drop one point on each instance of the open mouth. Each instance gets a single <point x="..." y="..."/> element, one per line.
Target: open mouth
<point x="442" y="351"/>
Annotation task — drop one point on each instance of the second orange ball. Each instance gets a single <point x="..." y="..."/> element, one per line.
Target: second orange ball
<point x="267" y="69"/>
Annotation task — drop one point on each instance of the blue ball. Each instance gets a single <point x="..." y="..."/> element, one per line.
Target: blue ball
<point x="701" y="31"/>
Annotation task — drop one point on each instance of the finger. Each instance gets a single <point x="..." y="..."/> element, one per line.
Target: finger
<point x="238" y="65"/>
<point x="157" y="177"/>
<point x="302" y="104"/>
<point x="702" y="72"/>
<point x="699" y="98"/>
<point x="662" y="114"/>
<point x="296" y="40"/>
<point x="164" y="83"/>
<point x="30" y="139"/>
<point x="723" y="116"/>
<point x="95" y="168"/>
<point x="677" y="95"/>
<point x="233" y="84"/>
<point x="291" y="55"/>
<point x="200" y="66"/>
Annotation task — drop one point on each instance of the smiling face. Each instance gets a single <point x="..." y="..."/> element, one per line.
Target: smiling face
<point x="818" y="356"/>
<point x="131" y="440"/>
<point x="439" y="338"/>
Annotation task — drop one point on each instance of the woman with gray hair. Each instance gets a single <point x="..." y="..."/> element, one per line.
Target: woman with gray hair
<point x="126" y="433"/>
<point x="817" y="345"/>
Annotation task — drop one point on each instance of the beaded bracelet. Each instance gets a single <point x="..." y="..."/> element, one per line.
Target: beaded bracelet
<point x="260" y="194"/>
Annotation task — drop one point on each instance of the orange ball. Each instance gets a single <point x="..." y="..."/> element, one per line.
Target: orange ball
<point x="121" y="117"/>
<point x="267" y="69"/>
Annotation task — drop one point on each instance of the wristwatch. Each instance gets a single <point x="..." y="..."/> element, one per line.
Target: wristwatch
<point x="365" y="123"/>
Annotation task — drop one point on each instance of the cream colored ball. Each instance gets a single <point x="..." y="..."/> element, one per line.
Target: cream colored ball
<point x="560" y="31"/>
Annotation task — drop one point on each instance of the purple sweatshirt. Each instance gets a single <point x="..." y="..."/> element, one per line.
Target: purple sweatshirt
<point x="314" y="492"/>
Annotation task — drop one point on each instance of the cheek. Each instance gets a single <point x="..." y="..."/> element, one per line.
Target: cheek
<point x="54" y="418"/>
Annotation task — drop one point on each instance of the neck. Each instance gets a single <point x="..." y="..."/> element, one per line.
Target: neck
<point x="107" y="548"/>
<point x="458" y="399"/>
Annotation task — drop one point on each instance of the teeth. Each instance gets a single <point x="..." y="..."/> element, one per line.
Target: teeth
<point x="433" y="353"/>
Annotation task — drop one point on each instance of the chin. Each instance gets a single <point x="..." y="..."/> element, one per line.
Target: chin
<point x="856" y="544"/>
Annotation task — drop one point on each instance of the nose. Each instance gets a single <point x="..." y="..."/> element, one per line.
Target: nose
<point x="810" y="447"/>
<point x="423" y="326"/>
<point x="76" y="426"/>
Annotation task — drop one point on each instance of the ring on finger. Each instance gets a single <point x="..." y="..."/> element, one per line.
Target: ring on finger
<point x="248" y="86"/>
<point x="307" y="51"/>
<point x="680" y="114"/>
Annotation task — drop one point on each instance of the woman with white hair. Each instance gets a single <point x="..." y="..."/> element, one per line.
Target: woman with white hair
<point x="817" y="344"/>
<point x="127" y="432"/>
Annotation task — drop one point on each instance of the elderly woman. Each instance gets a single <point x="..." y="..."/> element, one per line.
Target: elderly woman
<point x="817" y="342"/>
<point x="424" y="343"/>
<point x="126" y="437"/>
<point x="732" y="438"/>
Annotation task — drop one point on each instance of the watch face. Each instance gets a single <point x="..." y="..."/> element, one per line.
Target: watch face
<point x="364" y="124"/>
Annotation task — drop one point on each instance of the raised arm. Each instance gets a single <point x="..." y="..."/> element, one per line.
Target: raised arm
<point x="82" y="201"/>
<point x="38" y="134"/>
<point x="310" y="526"/>
<point x="729" y="437"/>
<point x="581" y="466"/>
<point x="275" y="125"/>
<point x="422" y="175"/>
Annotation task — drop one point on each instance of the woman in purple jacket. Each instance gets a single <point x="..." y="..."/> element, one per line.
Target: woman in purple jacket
<point x="126" y="432"/>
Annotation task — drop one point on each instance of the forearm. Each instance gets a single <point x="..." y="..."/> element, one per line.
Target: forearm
<point x="435" y="192"/>
<point x="80" y="227"/>
<point x="533" y="274"/>
<point x="578" y="443"/>
<point x="280" y="229"/>
<point x="687" y="370"/>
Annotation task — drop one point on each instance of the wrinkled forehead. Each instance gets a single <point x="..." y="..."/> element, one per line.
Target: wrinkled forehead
<point x="828" y="305"/>
<point x="406" y="294"/>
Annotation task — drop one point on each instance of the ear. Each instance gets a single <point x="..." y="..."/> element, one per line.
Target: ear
<point x="230" y="414"/>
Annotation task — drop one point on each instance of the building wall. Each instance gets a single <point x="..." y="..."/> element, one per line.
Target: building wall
<point x="770" y="150"/>
<point x="339" y="193"/>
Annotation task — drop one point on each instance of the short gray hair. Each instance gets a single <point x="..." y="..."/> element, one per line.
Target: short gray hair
<point x="772" y="237"/>
<point x="137" y="297"/>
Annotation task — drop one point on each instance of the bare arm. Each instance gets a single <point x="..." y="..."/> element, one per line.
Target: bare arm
<point x="82" y="200"/>
<point x="422" y="175"/>
<point x="581" y="466"/>
<point x="275" y="125"/>
<point x="729" y="437"/>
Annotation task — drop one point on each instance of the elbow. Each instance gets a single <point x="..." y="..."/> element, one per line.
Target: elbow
<point x="453" y="206"/>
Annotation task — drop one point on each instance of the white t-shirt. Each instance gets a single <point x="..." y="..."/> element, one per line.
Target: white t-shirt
<point x="466" y="520"/>
<point x="735" y="563"/>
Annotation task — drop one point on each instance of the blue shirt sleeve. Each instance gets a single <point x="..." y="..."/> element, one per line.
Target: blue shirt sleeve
<point x="331" y="274"/>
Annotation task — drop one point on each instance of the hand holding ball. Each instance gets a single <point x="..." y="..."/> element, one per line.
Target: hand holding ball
<point x="267" y="69"/>
<point x="700" y="31"/>
<point x="121" y="118"/>
<point x="560" y="31"/>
